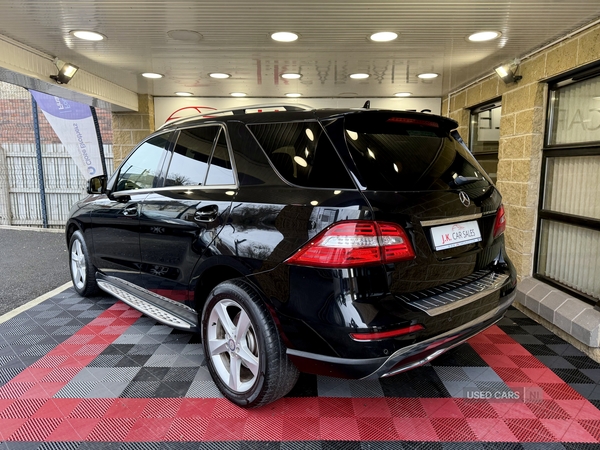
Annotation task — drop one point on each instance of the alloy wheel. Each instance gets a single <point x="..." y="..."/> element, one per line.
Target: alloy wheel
<point x="233" y="347"/>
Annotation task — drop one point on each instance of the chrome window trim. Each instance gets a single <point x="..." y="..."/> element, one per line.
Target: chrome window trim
<point x="231" y="187"/>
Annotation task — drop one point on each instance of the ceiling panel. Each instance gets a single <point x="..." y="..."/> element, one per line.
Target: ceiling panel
<point x="333" y="41"/>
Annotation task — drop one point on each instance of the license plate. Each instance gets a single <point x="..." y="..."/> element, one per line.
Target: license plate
<point x="455" y="235"/>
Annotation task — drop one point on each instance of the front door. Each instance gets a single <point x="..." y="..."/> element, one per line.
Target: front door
<point x="115" y="216"/>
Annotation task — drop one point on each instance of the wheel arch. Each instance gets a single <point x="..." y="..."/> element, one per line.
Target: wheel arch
<point x="209" y="275"/>
<point x="71" y="227"/>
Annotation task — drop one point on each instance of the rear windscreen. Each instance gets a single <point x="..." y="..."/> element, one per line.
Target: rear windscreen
<point x="408" y="154"/>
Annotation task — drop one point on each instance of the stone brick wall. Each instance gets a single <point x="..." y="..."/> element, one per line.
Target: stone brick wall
<point x="129" y="128"/>
<point x="522" y="133"/>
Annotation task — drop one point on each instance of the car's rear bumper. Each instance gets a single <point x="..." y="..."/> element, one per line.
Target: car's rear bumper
<point x="403" y="359"/>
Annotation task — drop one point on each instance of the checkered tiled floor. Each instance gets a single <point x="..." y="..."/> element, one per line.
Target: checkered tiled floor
<point x="80" y="373"/>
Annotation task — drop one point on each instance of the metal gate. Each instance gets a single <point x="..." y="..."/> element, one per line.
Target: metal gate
<point x="20" y="197"/>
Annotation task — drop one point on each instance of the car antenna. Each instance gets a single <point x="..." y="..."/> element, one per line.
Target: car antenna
<point x="367" y="105"/>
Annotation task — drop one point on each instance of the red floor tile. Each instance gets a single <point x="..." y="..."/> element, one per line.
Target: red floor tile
<point x="187" y="428"/>
<point x="339" y="429"/>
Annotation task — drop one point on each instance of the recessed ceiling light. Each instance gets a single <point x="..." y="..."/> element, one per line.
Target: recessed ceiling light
<point x="293" y="94"/>
<point x="185" y="35"/>
<point x="219" y="75"/>
<point x="402" y="94"/>
<point x="383" y="36"/>
<point x="359" y="76"/>
<point x="483" y="36"/>
<point x="152" y="75"/>
<point x="238" y="94"/>
<point x="284" y="36"/>
<point x="428" y="75"/>
<point x="291" y="76"/>
<point x="87" y="35"/>
<point x="184" y="94"/>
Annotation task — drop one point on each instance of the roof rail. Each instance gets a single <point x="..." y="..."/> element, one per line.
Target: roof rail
<point x="239" y="110"/>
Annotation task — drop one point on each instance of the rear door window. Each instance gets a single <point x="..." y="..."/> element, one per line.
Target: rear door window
<point x="302" y="154"/>
<point x="220" y="171"/>
<point x="189" y="163"/>
<point x="395" y="153"/>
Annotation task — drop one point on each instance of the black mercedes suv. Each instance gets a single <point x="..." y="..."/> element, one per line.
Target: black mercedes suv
<point x="352" y="243"/>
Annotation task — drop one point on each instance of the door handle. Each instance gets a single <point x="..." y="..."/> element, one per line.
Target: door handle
<point x="130" y="210"/>
<point x="206" y="214"/>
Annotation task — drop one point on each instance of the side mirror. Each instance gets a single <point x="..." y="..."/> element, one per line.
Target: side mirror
<point x="97" y="185"/>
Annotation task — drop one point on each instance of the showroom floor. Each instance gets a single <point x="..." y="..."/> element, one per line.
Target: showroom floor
<point x="78" y="373"/>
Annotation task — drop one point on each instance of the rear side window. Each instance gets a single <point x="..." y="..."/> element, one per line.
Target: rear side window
<point x="302" y="154"/>
<point x="395" y="153"/>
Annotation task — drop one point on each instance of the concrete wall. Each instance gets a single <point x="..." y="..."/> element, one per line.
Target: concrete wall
<point x="522" y="132"/>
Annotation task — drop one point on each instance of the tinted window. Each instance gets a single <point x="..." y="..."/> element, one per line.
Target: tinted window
<point x="220" y="171"/>
<point x="302" y="154"/>
<point x="394" y="155"/>
<point x="191" y="155"/>
<point x="142" y="168"/>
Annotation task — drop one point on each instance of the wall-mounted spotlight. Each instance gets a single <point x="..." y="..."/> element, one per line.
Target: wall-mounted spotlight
<point x="66" y="71"/>
<point x="507" y="72"/>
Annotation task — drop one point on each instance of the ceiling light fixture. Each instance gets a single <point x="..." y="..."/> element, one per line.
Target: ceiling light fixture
<point x="185" y="35"/>
<point x="428" y="75"/>
<point x="359" y="76"/>
<point x="383" y="36"/>
<point x="152" y="75"/>
<point x="291" y="76"/>
<point x="402" y="94"/>
<point x="87" y="35"/>
<point x="293" y="94"/>
<point x="507" y="72"/>
<point x="284" y="36"/>
<point x="66" y="71"/>
<point x="219" y="75"/>
<point x="184" y="94"/>
<point x="483" y="36"/>
<point x="238" y="94"/>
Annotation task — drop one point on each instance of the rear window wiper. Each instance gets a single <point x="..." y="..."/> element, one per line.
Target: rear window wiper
<point x="461" y="181"/>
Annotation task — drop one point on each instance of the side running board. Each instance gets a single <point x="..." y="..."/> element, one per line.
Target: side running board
<point x="164" y="310"/>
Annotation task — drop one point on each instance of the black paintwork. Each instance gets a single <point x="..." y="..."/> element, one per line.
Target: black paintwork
<point x="181" y="242"/>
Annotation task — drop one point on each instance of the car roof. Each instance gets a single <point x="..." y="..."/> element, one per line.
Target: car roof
<point x="294" y="113"/>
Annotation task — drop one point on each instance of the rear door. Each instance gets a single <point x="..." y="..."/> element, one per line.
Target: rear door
<point x="180" y="220"/>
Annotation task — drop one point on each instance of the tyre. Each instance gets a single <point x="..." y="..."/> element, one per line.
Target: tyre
<point x="83" y="273"/>
<point x="244" y="353"/>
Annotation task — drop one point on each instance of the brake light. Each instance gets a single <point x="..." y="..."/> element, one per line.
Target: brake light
<point x="386" y="334"/>
<point x="355" y="243"/>
<point x="500" y="224"/>
<point x="410" y="121"/>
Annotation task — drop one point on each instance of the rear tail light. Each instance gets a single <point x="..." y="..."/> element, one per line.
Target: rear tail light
<point x="378" y="335"/>
<point x="500" y="224"/>
<point x="355" y="243"/>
